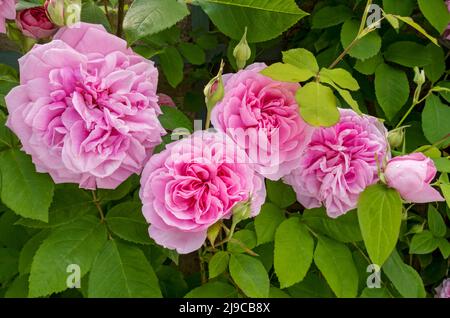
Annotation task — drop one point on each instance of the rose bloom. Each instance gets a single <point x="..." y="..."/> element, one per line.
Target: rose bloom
<point x="443" y="290"/>
<point x="262" y="116"/>
<point x="86" y="109"/>
<point x="411" y="175"/>
<point x="34" y="23"/>
<point x="7" y="11"/>
<point x="194" y="183"/>
<point x="339" y="163"/>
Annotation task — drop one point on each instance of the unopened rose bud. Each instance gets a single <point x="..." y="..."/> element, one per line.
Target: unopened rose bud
<point x="214" y="90"/>
<point x="63" y="12"/>
<point x="242" y="52"/>
<point x="395" y="137"/>
<point x="419" y="77"/>
<point x="34" y="23"/>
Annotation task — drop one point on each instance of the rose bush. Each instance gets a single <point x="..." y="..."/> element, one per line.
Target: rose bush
<point x="226" y="149"/>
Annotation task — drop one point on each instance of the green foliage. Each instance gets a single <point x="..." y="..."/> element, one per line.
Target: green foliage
<point x="282" y="14"/>
<point x="286" y="250"/>
<point x="121" y="270"/>
<point x="294" y="247"/>
<point x="379" y="215"/>
<point x="150" y="17"/>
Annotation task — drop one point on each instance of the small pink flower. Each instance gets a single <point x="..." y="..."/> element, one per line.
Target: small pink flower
<point x="339" y="163"/>
<point x="86" y="109"/>
<point x="34" y="23"/>
<point x="411" y="175"/>
<point x="194" y="183"/>
<point x="262" y="116"/>
<point x="443" y="290"/>
<point x="7" y="12"/>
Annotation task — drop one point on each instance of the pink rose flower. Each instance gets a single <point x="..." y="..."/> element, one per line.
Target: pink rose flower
<point x="7" y="12"/>
<point x="411" y="175"/>
<point x="261" y="115"/>
<point x="86" y="109"/>
<point x="443" y="290"/>
<point x="339" y="163"/>
<point x="194" y="183"/>
<point x="34" y="23"/>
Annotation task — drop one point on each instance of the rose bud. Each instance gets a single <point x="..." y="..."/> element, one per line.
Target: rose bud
<point x="411" y="175"/>
<point x="63" y="12"/>
<point x="34" y="23"/>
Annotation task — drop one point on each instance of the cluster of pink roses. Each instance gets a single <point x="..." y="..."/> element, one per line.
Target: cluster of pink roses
<point x="87" y="112"/>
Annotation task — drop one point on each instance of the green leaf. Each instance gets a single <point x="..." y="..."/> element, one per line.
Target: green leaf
<point x="172" y="282"/>
<point x="436" y="69"/>
<point x="18" y="288"/>
<point x="302" y="59"/>
<point x="91" y="13"/>
<point x="121" y="271"/>
<point x="400" y="53"/>
<point x="267" y="221"/>
<point x="287" y="73"/>
<point x="416" y="26"/>
<point x="444" y="247"/>
<point x="172" y="65"/>
<point x="172" y="118"/>
<point x="11" y="234"/>
<point x="8" y="264"/>
<point x="232" y="16"/>
<point x="330" y="16"/>
<point x="435" y="117"/>
<point x="74" y="243"/>
<point x="277" y="293"/>
<point x="280" y="193"/>
<point x="23" y="190"/>
<point x="444" y="93"/>
<point x="369" y="66"/>
<point x="344" y="94"/>
<point x="335" y="261"/>
<point x="69" y="203"/>
<point x="405" y="279"/>
<point x="149" y="17"/>
<point x="218" y="264"/>
<point x="423" y="243"/>
<point x="391" y="89"/>
<point x="375" y="293"/>
<point x="193" y="53"/>
<point x="436" y="13"/>
<point x="213" y="290"/>
<point x="445" y="188"/>
<point x="403" y="7"/>
<point x="442" y="164"/>
<point x="436" y="222"/>
<point x="341" y="78"/>
<point x="294" y="247"/>
<point x="366" y="48"/>
<point x="313" y="286"/>
<point x="243" y="238"/>
<point x="29" y="250"/>
<point x="126" y="221"/>
<point x="345" y="228"/>
<point x="250" y="275"/>
<point x="380" y="216"/>
<point x="317" y="105"/>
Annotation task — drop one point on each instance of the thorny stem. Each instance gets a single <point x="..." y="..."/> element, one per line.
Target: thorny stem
<point x="208" y="120"/>
<point x="105" y="4"/>
<point x="120" y="17"/>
